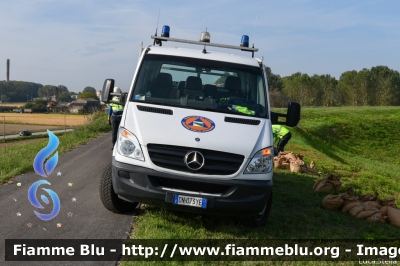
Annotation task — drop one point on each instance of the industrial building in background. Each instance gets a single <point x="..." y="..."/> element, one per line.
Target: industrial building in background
<point x="8" y="70"/>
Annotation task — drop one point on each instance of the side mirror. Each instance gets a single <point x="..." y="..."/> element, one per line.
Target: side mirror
<point x="107" y="89"/>
<point x="123" y="98"/>
<point x="293" y="114"/>
<point x="274" y="118"/>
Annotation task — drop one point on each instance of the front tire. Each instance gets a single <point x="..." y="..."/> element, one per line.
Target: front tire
<point x="260" y="219"/>
<point x="109" y="198"/>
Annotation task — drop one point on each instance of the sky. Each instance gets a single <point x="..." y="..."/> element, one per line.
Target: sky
<point x="79" y="43"/>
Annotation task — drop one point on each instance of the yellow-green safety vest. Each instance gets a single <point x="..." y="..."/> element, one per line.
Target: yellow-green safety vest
<point x="116" y="107"/>
<point x="279" y="131"/>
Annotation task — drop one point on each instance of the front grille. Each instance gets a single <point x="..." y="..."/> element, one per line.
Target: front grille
<point x="155" y="110"/>
<point x="190" y="185"/>
<point x="215" y="162"/>
<point x="242" y="121"/>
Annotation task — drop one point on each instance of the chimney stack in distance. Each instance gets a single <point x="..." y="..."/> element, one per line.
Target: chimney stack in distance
<point x="8" y="70"/>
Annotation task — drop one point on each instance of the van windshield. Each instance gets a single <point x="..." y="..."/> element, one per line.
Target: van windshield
<point x="201" y="84"/>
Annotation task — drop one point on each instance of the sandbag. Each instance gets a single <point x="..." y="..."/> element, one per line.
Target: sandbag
<point x="357" y="209"/>
<point x="384" y="210"/>
<point x="372" y="206"/>
<point x="317" y="184"/>
<point x="332" y="202"/>
<point x="368" y="207"/>
<point x="330" y="182"/>
<point x="365" y="214"/>
<point x="388" y="202"/>
<point x="295" y="166"/>
<point x="295" y="163"/>
<point x="376" y="217"/>
<point x="369" y="197"/>
<point x="277" y="163"/>
<point x="348" y="196"/>
<point x="350" y="205"/>
<point x="393" y="216"/>
<point x="290" y="156"/>
<point x="324" y="186"/>
<point x="285" y="165"/>
<point x="281" y="162"/>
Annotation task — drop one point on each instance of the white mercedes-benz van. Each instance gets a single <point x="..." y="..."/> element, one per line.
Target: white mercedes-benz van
<point x="195" y="133"/>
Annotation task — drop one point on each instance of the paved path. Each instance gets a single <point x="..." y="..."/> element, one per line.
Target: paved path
<point x="82" y="167"/>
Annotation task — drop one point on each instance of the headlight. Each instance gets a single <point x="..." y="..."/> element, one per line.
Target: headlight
<point x="261" y="162"/>
<point x="128" y="145"/>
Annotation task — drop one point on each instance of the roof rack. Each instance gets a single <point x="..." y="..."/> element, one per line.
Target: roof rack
<point x="165" y="37"/>
<point x="205" y="43"/>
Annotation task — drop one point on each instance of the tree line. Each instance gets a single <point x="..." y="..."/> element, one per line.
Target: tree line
<point x="378" y="86"/>
<point x="22" y="91"/>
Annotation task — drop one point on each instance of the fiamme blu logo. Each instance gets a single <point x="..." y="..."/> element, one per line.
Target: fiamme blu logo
<point x="44" y="169"/>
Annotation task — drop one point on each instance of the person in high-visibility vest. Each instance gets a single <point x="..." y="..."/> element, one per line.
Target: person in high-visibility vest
<point x="114" y="116"/>
<point x="282" y="136"/>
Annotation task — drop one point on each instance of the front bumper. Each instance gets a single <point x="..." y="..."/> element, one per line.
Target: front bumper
<point x="224" y="197"/>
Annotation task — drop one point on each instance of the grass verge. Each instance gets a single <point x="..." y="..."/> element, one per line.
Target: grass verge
<point x="14" y="159"/>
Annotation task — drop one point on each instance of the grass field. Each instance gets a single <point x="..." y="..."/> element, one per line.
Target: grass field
<point x="14" y="104"/>
<point x="43" y="119"/>
<point x="9" y="144"/>
<point x="359" y="144"/>
<point x="15" y="122"/>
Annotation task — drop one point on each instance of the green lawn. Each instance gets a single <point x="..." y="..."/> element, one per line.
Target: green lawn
<point x="362" y="145"/>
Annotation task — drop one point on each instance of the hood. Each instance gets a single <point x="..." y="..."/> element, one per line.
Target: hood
<point x="198" y="129"/>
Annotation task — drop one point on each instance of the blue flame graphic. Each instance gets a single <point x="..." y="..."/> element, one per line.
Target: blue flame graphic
<point x="32" y="198"/>
<point x="42" y="155"/>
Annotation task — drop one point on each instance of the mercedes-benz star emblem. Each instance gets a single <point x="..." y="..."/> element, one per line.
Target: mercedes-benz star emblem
<point x="194" y="160"/>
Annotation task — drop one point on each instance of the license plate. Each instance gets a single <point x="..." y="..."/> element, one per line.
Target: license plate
<point x="190" y="201"/>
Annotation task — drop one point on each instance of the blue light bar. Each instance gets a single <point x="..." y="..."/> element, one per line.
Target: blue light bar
<point x="165" y="31"/>
<point x="161" y="39"/>
<point x="245" y="41"/>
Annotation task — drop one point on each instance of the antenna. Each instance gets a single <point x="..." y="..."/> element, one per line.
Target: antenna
<point x="255" y="26"/>
<point x="154" y="43"/>
<point x="158" y="19"/>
